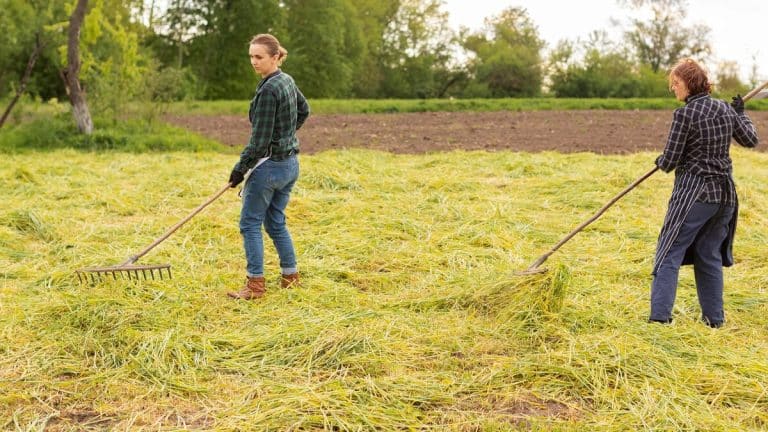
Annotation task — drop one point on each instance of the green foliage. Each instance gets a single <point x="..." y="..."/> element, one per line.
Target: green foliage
<point x="218" y="53"/>
<point x="416" y="51"/>
<point x="325" y="55"/>
<point x="22" y="21"/>
<point x="507" y="54"/>
<point x="727" y="82"/>
<point x="337" y="49"/>
<point x="114" y="67"/>
<point x="603" y="71"/>
<point x="14" y="41"/>
<point x="170" y="84"/>
<point x="374" y="17"/>
<point x="128" y="135"/>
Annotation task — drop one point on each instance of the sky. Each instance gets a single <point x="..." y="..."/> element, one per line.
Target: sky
<point x="738" y="29"/>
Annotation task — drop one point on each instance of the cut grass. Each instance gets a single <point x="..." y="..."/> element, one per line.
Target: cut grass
<point x="410" y="315"/>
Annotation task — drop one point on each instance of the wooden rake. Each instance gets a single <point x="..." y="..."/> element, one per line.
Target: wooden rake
<point x="129" y="270"/>
<point x="535" y="268"/>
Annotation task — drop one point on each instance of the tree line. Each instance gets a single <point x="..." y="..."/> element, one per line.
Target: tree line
<point x="197" y="49"/>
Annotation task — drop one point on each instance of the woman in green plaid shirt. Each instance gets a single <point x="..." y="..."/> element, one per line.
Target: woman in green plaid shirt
<point x="276" y="112"/>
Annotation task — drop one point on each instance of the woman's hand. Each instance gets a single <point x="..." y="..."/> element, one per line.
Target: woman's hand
<point x="738" y="104"/>
<point x="235" y="178"/>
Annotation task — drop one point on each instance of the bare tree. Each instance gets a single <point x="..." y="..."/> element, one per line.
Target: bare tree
<point x="71" y="74"/>
<point x="663" y="40"/>
<point x="39" y="45"/>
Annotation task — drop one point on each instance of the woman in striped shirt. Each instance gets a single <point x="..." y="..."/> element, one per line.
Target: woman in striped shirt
<point x="701" y="218"/>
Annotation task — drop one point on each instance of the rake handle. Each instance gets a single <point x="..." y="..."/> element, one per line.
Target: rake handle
<point x="594" y="217"/>
<point x="755" y="91"/>
<point x="540" y="260"/>
<point x="133" y="258"/>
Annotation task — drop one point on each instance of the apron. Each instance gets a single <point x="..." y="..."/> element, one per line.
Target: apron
<point x="687" y="189"/>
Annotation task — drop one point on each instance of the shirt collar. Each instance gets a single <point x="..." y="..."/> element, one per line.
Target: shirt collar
<point x="266" y="78"/>
<point x="697" y="96"/>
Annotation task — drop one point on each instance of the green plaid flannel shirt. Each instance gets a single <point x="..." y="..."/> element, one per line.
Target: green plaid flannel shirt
<point x="277" y="111"/>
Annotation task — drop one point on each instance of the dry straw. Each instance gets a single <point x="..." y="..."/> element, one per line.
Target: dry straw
<point x="410" y="317"/>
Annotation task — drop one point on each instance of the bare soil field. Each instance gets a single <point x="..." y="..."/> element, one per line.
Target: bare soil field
<point x="598" y="131"/>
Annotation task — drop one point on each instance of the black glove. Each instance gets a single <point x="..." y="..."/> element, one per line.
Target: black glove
<point x="235" y="178"/>
<point x="738" y="104"/>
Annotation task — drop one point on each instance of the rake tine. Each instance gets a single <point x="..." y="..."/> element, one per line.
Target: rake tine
<point x="113" y="275"/>
<point x="144" y="273"/>
<point x="152" y="273"/>
<point x="93" y="280"/>
<point x="79" y="278"/>
<point x="169" y="273"/>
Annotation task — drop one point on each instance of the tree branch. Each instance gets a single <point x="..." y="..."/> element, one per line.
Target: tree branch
<point x="39" y="46"/>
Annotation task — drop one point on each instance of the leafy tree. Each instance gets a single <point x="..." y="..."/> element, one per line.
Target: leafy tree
<point x="72" y="73"/>
<point x="14" y="40"/>
<point x="602" y="70"/>
<point x="507" y="55"/>
<point x="663" y="40"/>
<point x="324" y="46"/>
<point x="727" y="81"/>
<point x="218" y="54"/>
<point x="180" y="22"/>
<point x="417" y="50"/>
<point x="374" y="17"/>
<point x="23" y="22"/>
<point x="114" y="65"/>
<point x="39" y="45"/>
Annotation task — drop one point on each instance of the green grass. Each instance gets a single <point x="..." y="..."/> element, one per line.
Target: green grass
<point x="59" y="132"/>
<point x="410" y="315"/>
<point x="357" y="106"/>
<point x="31" y="110"/>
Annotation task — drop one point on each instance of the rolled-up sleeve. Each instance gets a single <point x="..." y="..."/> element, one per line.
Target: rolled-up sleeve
<point x="675" y="147"/>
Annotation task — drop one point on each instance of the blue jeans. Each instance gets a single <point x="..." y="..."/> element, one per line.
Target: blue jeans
<point x="265" y="197"/>
<point x="705" y="227"/>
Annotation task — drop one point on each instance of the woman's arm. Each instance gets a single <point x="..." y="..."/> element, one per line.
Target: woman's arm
<point x="302" y="109"/>
<point x="744" y="132"/>
<point x="673" y="152"/>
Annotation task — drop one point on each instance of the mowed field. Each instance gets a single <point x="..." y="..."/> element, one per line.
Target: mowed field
<point x="411" y="315"/>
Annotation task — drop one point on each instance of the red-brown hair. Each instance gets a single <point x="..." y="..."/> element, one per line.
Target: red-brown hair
<point x="693" y="75"/>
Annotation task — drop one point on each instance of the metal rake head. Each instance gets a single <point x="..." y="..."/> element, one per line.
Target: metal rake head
<point x="124" y="272"/>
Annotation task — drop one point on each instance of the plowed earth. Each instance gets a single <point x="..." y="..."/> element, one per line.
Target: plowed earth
<point x="597" y="131"/>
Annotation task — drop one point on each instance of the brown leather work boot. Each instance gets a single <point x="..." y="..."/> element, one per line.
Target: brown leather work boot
<point x="288" y="281"/>
<point x="253" y="289"/>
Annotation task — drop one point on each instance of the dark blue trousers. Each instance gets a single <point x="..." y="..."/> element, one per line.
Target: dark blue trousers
<point x="705" y="228"/>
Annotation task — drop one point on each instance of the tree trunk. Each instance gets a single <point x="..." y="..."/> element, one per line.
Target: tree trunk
<point x="24" y="79"/>
<point x="71" y="74"/>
